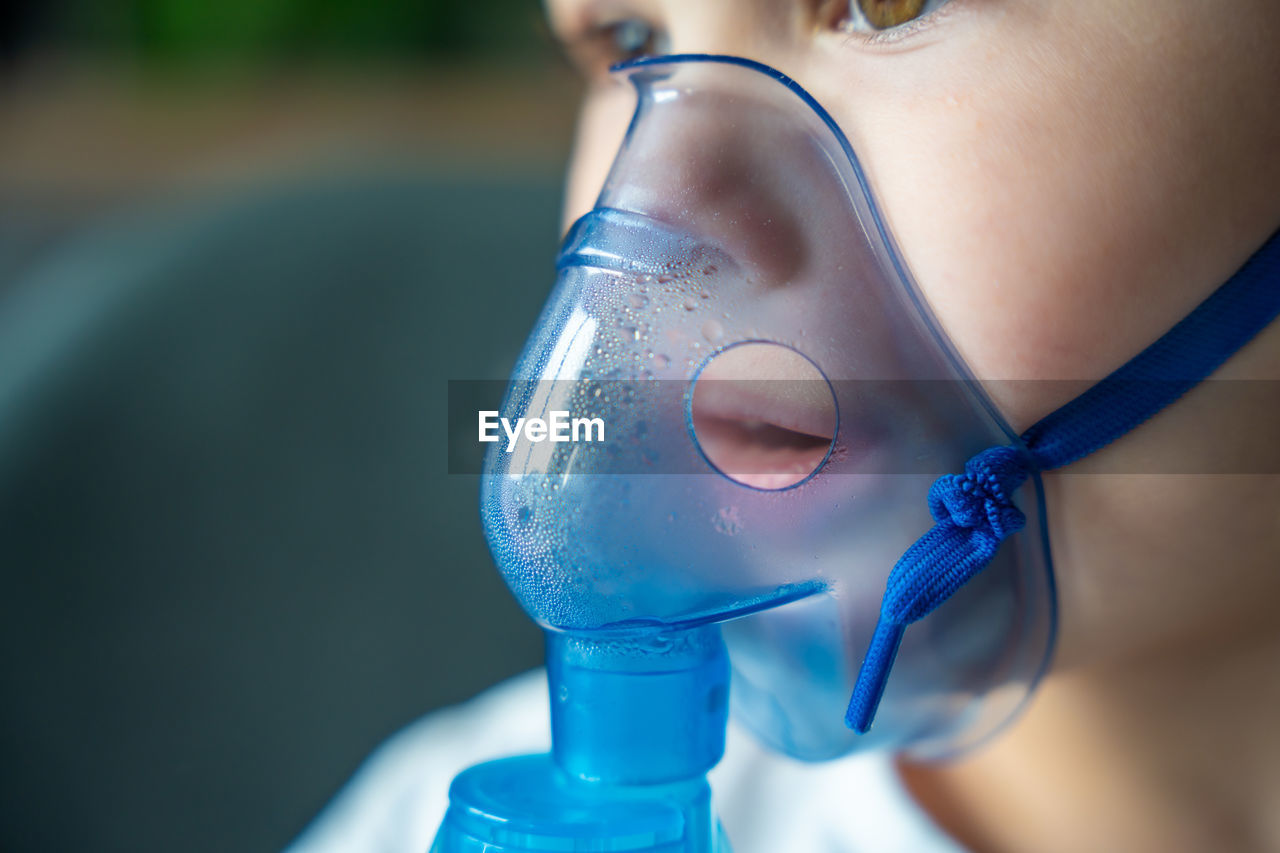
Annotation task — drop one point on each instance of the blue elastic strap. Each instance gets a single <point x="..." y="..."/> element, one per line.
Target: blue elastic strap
<point x="974" y="511"/>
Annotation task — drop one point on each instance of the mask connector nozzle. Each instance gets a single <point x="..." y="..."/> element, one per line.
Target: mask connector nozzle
<point x="638" y="717"/>
<point x="640" y="708"/>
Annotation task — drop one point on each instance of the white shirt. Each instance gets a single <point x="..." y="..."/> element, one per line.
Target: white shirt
<point x="768" y="803"/>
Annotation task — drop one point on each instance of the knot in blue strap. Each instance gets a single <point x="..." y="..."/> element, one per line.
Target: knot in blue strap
<point x="981" y="495"/>
<point x="974" y="514"/>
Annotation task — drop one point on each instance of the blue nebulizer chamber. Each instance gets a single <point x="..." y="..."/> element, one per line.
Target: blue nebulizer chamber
<point x="735" y="247"/>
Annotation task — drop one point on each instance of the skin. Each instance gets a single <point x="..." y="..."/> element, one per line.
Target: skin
<point x="1067" y="179"/>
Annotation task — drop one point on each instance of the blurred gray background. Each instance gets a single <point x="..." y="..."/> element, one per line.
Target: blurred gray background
<point x="241" y="254"/>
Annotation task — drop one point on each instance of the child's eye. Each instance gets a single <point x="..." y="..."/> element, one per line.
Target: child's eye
<point x="596" y="47"/>
<point x="632" y="38"/>
<point x="881" y="15"/>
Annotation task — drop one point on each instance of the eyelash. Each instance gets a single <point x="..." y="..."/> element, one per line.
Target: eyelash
<point x="855" y="23"/>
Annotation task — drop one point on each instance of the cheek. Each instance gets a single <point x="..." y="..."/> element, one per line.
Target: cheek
<point x="1132" y="585"/>
<point x="1060" y="207"/>
<point x="601" y="127"/>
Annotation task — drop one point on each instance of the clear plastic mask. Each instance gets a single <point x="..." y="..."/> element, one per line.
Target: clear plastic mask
<point x="777" y="400"/>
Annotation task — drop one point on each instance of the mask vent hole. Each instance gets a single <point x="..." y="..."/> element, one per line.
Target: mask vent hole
<point x="763" y="415"/>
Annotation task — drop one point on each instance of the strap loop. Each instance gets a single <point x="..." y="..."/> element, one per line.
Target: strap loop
<point x="974" y="514"/>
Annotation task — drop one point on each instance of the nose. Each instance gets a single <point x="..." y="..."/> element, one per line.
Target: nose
<point x="723" y="156"/>
<point x="764" y="30"/>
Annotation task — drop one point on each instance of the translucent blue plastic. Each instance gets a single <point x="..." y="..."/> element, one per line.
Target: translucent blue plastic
<point x="736" y="212"/>
<point x="528" y="805"/>
<point x="638" y="719"/>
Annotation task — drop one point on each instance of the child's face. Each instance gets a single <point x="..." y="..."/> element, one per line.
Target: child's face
<point x="1067" y="179"/>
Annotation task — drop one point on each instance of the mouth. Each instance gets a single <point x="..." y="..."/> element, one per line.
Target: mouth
<point x="763" y="415"/>
<point x="761" y="454"/>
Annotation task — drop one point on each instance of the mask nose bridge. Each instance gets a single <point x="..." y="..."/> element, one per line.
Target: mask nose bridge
<point x="722" y="152"/>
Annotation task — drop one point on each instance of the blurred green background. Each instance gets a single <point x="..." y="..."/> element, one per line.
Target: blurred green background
<point x="274" y="31"/>
<point x="243" y="247"/>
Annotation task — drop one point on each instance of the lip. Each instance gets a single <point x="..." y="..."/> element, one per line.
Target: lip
<point x="760" y="454"/>
<point x="803" y="406"/>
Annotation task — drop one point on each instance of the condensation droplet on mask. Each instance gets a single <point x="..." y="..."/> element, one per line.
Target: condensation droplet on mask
<point x="727" y="520"/>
